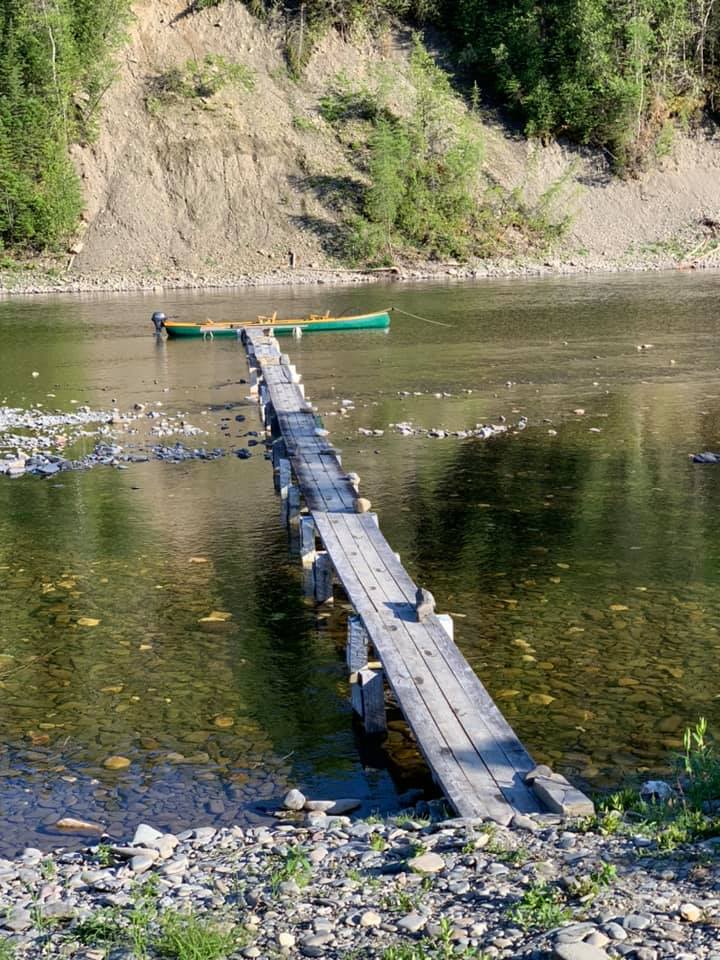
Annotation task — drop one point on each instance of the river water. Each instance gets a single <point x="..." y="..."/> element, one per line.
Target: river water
<point x="579" y="555"/>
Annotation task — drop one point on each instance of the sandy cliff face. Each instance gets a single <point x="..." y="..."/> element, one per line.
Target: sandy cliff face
<point x="203" y="185"/>
<point x="232" y="183"/>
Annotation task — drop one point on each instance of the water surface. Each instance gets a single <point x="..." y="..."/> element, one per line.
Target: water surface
<point x="579" y="556"/>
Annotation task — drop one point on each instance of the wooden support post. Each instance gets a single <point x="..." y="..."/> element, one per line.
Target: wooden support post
<point x="284" y="478"/>
<point x="307" y="540"/>
<point x="358" y="641"/>
<point x="268" y="415"/>
<point x="446" y="622"/>
<point x="279" y="452"/>
<point x="293" y="503"/>
<point x="323" y="577"/>
<point x="372" y="688"/>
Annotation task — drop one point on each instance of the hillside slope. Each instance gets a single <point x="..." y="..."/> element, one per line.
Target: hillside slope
<point x="232" y="183"/>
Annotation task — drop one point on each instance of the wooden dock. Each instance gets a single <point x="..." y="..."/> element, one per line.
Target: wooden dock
<point x="472" y="751"/>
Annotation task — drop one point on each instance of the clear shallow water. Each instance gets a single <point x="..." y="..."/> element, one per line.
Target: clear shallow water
<point x="581" y="566"/>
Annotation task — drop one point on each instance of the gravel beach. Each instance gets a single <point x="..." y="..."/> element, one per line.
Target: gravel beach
<point x="316" y="884"/>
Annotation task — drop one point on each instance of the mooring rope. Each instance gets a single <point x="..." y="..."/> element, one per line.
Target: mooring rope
<point x="437" y="323"/>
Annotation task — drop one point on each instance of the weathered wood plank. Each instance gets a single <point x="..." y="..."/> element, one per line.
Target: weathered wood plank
<point x="431" y="642"/>
<point x="434" y="693"/>
<point x="431" y="741"/>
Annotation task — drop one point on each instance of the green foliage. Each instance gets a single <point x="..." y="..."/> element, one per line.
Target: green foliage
<point x="185" y="936"/>
<point x="588" y="887"/>
<point x="101" y="928"/>
<point x="199" y="78"/>
<point x="295" y="865"/>
<point x="427" y="195"/>
<point x="540" y="907"/>
<point x="611" y="74"/>
<point x="689" y="816"/>
<point x="55" y="64"/>
<point x="342" y="102"/>
<point x="303" y="124"/>
<point x="701" y="766"/>
<point x="7" y="950"/>
<point x="104" y="855"/>
<point x="441" y="947"/>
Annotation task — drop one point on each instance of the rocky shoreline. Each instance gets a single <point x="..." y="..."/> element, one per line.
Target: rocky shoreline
<point x="38" y="281"/>
<point x="316" y="883"/>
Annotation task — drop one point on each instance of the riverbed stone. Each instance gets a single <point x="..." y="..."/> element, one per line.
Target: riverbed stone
<point x="146" y="835"/>
<point x="578" y="951"/>
<point x="636" y="921"/>
<point x="294" y="800"/>
<point x="370" y="919"/>
<point x="17" y="919"/>
<point x="427" y="863"/>
<point x="690" y="912"/>
<point x="412" y="922"/>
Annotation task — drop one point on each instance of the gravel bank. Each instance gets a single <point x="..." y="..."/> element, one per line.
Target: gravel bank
<point x="315" y="884"/>
<point x="15" y="283"/>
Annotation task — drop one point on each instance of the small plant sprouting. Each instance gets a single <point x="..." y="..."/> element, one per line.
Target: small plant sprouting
<point x="377" y="842"/>
<point x="48" y="869"/>
<point x="294" y="866"/>
<point x="541" y="907"/>
<point x="104" y="855"/>
<point x="588" y="887"/>
<point x="7" y="950"/>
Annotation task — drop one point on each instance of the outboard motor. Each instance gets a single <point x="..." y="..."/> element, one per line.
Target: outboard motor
<point x="158" y="318"/>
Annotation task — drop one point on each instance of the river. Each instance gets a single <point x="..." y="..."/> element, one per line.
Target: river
<point x="579" y="555"/>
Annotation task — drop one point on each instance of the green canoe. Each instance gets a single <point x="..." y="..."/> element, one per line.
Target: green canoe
<point x="311" y="324"/>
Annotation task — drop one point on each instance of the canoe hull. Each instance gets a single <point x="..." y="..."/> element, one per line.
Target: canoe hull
<point x="367" y="321"/>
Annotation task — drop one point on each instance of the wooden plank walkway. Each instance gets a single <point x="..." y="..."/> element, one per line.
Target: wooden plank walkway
<point x="470" y="748"/>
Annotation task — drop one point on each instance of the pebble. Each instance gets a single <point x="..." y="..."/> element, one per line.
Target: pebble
<point x="370" y="919"/>
<point x="427" y="863"/>
<point x="412" y="922"/>
<point x="690" y="913"/>
<point x="294" y="800"/>
<point x="579" y="951"/>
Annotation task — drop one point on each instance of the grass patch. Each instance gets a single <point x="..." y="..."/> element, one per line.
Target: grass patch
<point x="541" y="907"/>
<point x="7" y="950"/>
<point x="185" y="936"/>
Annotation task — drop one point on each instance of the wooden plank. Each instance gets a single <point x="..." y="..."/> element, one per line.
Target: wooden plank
<point x="458" y="665"/>
<point x="433" y="689"/>
<point x="426" y="637"/>
<point x="458" y="789"/>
